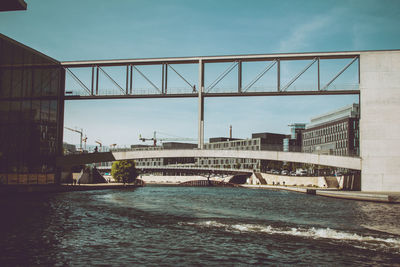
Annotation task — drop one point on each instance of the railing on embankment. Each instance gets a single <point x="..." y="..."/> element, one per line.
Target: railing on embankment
<point x="208" y="183"/>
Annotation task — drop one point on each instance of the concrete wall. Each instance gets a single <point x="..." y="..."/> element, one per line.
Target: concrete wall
<point x="380" y="120"/>
<point x="159" y="179"/>
<point x="289" y="180"/>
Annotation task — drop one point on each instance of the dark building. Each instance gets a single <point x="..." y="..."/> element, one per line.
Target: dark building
<point x="334" y="133"/>
<point x="222" y="139"/>
<point x="31" y="114"/>
<point x="293" y="142"/>
<point x="270" y="141"/>
<point x="176" y="145"/>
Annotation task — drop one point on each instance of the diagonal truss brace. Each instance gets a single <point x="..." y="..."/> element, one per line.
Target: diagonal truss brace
<point x="298" y="75"/>
<point x="247" y="87"/>
<point x="221" y="76"/>
<point x="191" y="86"/>
<point x="78" y="80"/>
<point x="112" y="80"/>
<point x="339" y="73"/>
<point x="147" y="79"/>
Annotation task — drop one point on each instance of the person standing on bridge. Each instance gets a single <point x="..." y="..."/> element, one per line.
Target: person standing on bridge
<point x="96" y="149"/>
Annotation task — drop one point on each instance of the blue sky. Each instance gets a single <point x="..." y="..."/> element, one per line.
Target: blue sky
<point x="120" y="29"/>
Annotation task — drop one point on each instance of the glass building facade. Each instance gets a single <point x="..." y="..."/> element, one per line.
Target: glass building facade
<point x="31" y="114"/>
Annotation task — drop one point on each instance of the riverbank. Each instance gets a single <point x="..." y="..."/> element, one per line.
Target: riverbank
<point x="52" y="188"/>
<point x="387" y="197"/>
<point x="175" y="180"/>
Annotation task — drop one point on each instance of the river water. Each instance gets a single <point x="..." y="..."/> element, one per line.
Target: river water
<point x="192" y="226"/>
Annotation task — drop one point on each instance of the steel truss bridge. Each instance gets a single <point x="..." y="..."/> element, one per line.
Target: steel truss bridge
<point x="199" y="90"/>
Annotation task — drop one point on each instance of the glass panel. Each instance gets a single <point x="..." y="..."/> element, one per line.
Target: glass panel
<point x="4" y="109"/>
<point x="15" y="111"/>
<point x="37" y="82"/>
<point x="36" y="110"/>
<point x="18" y="56"/>
<point x="26" y="111"/>
<point x="5" y="83"/>
<point x="27" y="83"/>
<point x="7" y="52"/>
<point x="55" y="81"/>
<point x="16" y="90"/>
<point x="44" y="110"/>
<point x="53" y="111"/>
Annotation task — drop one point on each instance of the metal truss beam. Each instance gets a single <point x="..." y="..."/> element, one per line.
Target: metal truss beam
<point x="112" y="80"/>
<point x="147" y="79"/>
<point x="247" y="87"/>
<point x="298" y="75"/>
<point x="211" y="59"/>
<point x="234" y="94"/>
<point x="221" y="76"/>
<point x="78" y="80"/>
<point x="339" y="73"/>
<point x="191" y="86"/>
<point x="165" y="63"/>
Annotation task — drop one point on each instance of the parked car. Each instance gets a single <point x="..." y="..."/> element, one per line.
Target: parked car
<point x="292" y="173"/>
<point x="303" y="173"/>
<point x="275" y="172"/>
<point x="285" y="172"/>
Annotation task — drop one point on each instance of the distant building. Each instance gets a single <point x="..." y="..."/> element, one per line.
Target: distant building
<point x="334" y="133"/>
<point x="270" y="141"/>
<point x="293" y="142"/>
<point x="158" y="162"/>
<point x="259" y="141"/>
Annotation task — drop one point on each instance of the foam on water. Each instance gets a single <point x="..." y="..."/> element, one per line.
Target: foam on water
<point x="314" y="233"/>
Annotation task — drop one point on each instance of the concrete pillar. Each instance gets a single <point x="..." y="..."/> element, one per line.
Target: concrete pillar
<point x="380" y="120"/>
<point x="201" y="105"/>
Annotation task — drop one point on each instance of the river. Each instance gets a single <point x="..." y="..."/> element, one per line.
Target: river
<point x="196" y="226"/>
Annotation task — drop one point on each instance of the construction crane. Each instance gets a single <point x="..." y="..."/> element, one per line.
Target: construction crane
<point x="100" y="144"/>
<point x="84" y="140"/>
<point x="155" y="139"/>
<point x="80" y="132"/>
<point x="113" y="146"/>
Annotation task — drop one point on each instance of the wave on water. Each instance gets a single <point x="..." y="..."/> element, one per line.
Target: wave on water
<point x="314" y="233"/>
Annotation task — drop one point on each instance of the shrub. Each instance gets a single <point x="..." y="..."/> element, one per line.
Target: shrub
<point x="124" y="171"/>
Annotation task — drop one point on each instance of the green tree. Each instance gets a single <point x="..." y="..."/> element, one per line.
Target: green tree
<point x="124" y="171"/>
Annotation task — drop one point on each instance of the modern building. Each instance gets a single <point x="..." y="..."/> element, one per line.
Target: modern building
<point x="334" y="133"/>
<point x="259" y="141"/>
<point x="158" y="162"/>
<point x="31" y="114"/>
<point x="293" y="142"/>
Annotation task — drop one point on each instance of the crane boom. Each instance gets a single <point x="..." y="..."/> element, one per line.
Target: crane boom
<point x="77" y="131"/>
<point x="155" y="139"/>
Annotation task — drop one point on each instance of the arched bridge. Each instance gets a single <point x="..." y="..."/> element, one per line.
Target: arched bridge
<point x="353" y="163"/>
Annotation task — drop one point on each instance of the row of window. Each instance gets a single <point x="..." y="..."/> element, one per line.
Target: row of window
<point x="28" y="111"/>
<point x="29" y="82"/>
<point x="326" y="139"/>
<point x="203" y="161"/>
<point x="236" y="144"/>
<point x="326" y="130"/>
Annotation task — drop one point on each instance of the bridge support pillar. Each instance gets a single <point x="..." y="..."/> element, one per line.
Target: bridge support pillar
<point x="380" y="121"/>
<point x="201" y="105"/>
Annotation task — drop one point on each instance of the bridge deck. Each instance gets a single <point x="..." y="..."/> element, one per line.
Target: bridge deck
<point x="326" y="160"/>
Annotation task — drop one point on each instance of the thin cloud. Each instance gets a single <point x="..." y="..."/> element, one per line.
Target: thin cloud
<point x="302" y="35"/>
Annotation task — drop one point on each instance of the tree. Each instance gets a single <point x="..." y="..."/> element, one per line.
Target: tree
<point x="124" y="171"/>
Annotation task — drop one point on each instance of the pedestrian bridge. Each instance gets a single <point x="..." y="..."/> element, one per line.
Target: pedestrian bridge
<point x="353" y="163"/>
<point x="188" y="169"/>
